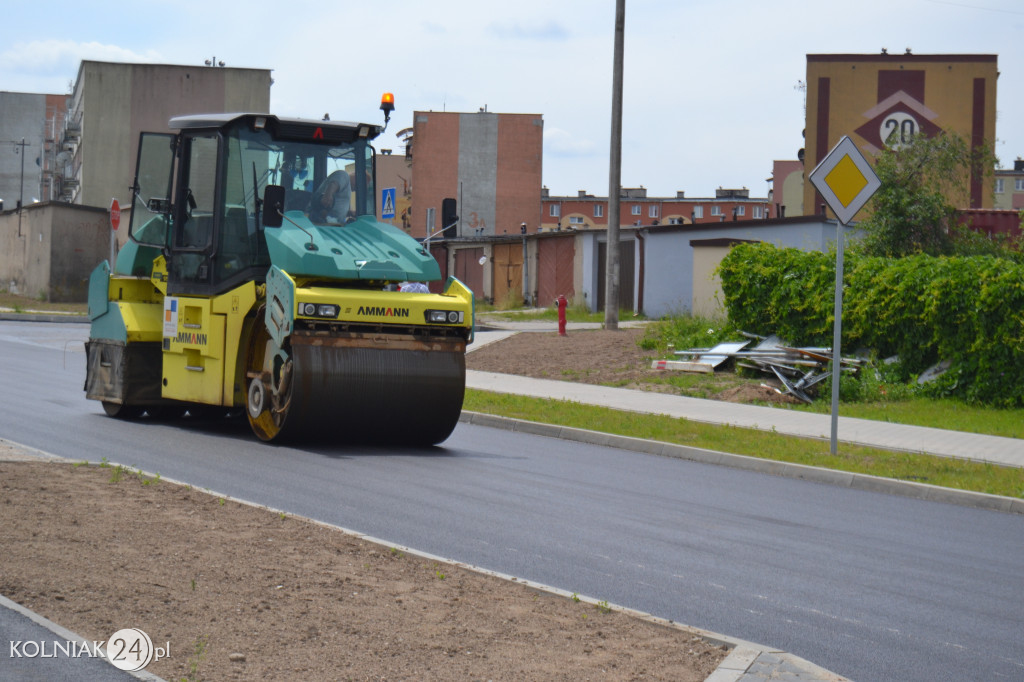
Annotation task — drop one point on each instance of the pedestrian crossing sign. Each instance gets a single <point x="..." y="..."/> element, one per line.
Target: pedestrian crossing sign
<point x="387" y="203"/>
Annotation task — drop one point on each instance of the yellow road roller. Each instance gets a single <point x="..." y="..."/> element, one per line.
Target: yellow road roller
<point x="257" y="278"/>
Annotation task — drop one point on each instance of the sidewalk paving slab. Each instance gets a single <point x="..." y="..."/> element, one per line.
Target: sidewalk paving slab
<point x="918" y="439"/>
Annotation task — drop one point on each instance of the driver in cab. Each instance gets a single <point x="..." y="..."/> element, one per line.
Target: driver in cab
<point x="330" y="203"/>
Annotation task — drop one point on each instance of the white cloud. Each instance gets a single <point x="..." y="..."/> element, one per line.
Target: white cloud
<point x="545" y="31"/>
<point x="50" y="56"/>
<point x="561" y="143"/>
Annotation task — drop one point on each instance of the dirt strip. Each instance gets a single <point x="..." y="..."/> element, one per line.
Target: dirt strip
<point x="242" y="593"/>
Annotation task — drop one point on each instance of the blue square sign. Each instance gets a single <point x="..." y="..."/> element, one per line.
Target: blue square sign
<point x="387" y="203"/>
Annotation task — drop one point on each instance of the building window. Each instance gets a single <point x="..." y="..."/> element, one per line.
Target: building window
<point x="636" y="209"/>
<point x="652" y="211"/>
<point x="1018" y="185"/>
<point x="716" y="210"/>
<point x="741" y="210"/>
<point x="999" y="185"/>
<point x="698" y="212"/>
<point x="758" y="212"/>
<point x="575" y="220"/>
<point x="555" y="211"/>
<point x="598" y="210"/>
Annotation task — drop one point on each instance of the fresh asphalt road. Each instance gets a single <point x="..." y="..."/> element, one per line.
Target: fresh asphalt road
<point x="869" y="586"/>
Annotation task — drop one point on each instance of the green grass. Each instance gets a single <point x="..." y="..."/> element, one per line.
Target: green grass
<point x="915" y="410"/>
<point x="936" y="413"/>
<point x="572" y="314"/>
<point x="940" y="471"/>
<point x="21" y="304"/>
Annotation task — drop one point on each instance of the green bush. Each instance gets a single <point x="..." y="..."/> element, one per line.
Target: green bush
<point x="682" y="332"/>
<point x="968" y="310"/>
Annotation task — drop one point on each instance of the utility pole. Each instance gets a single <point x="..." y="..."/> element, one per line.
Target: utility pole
<point x="21" y="192"/>
<point x="611" y="289"/>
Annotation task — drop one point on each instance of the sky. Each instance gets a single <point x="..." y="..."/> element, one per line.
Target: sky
<point x="711" y="89"/>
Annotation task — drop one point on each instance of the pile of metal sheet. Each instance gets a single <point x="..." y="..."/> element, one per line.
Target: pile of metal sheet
<point x="797" y="369"/>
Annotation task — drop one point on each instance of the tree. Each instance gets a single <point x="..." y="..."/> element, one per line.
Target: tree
<point x="923" y="183"/>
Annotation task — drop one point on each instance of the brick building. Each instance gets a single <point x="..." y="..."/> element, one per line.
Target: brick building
<point x="586" y="211"/>
<point x="487" y="165"/>
<point x="1009" y="187"/>
<point x="882" y="99"/>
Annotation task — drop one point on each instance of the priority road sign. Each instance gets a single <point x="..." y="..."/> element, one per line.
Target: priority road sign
<point x="846" y="182"/>
<point x="845" y="179"/>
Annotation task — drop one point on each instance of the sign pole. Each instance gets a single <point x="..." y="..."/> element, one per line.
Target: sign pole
<point x="837" y="327"/>
<point x="846" y="182"/>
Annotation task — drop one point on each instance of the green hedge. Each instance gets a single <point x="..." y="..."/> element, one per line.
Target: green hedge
<point x="968" y="310"/>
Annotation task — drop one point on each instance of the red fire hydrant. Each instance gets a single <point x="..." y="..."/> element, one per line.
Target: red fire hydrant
<point x="561" y="314"/>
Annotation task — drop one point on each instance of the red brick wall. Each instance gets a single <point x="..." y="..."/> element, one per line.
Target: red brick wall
<point x="435" y="165"/>
<point x="520" y="163"/>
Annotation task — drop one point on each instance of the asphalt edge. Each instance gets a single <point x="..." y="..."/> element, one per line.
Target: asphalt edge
<point x="44" y="317"/>
<point x="741" y="656"/>
<point x="843" y="479"/>
<point x="65" y="634"/>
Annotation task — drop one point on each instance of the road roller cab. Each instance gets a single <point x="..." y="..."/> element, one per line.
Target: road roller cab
<point x="257" y="279"/>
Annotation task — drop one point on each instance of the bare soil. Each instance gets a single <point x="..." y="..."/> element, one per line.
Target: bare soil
<point x="593" y="356"/>
<point x="614" y="358"/>
<point x="242" y="593"/>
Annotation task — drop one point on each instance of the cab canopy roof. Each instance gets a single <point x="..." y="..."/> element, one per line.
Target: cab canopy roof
<point x="281" y="128"/>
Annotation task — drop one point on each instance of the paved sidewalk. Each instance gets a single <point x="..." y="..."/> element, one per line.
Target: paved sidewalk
<point x="918" y="439"/>
<point x="995" y="449"/>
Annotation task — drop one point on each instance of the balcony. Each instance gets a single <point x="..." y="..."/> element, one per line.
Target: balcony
<point x="73" y="128"/>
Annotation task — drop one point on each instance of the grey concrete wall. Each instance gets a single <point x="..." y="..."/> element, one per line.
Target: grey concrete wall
<point x="478" y="171"/>
<point x="80" y="241"/>
<point x="707" y="285"/>
<point x="669" y="268"/>
<point x="119" y="101"/>
<point x="24" y="260"/>
<point x="22" y="115"/>
<point x="105" y="148"/>
<point x="54" y="252"/>
<point x="588" y="250"/>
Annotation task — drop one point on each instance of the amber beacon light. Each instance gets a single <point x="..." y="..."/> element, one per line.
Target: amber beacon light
<point x="387" y="105"/>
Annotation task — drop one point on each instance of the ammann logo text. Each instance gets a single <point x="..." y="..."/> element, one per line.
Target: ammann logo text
<point x="191" y="338"/>
<point x="380" y="311"/>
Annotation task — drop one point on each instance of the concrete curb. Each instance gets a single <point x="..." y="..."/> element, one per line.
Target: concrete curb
<point x="63" y="633"/>
<point x="844" y="479"/>
<point x="44" y="317"/>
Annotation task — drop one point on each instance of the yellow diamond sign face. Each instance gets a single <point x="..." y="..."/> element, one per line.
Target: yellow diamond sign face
<point x="845" y="180"/>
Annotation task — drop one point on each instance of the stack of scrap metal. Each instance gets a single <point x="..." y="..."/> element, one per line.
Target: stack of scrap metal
<point x="797" y="369"/>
